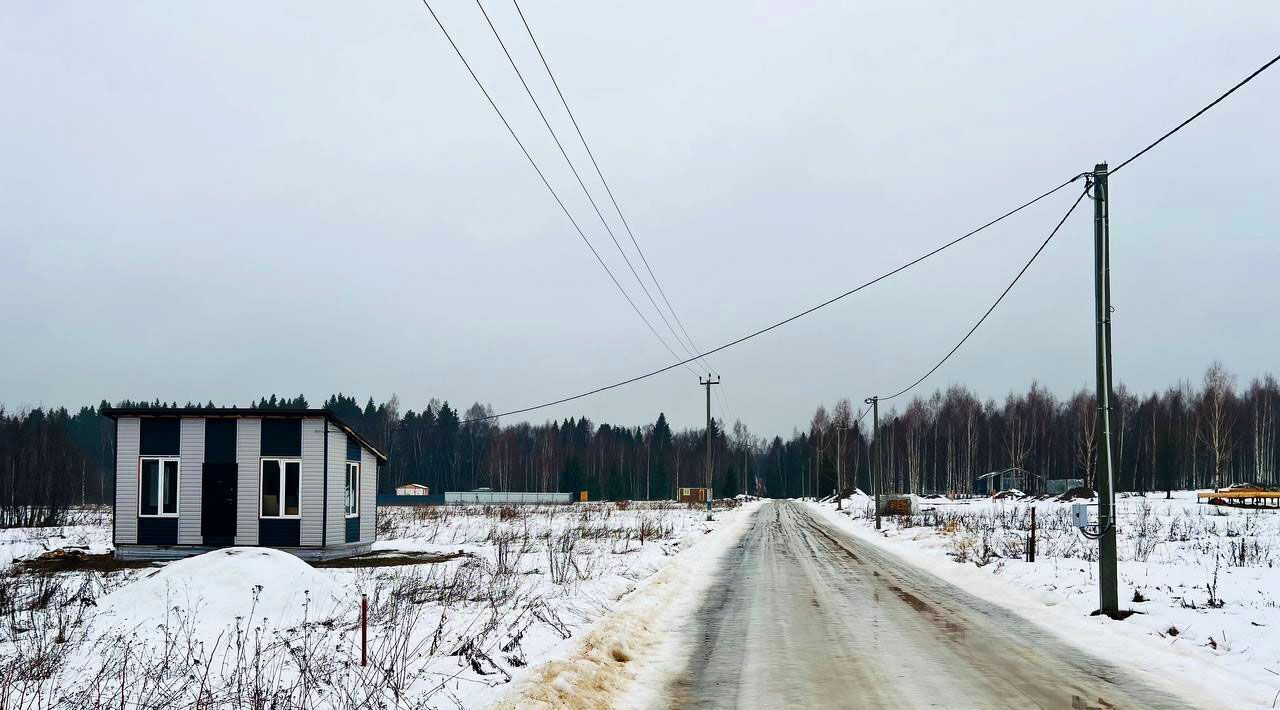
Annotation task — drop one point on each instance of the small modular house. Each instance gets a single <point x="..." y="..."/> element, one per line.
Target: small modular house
<point x="413" y="489"/>
<point x="191" y="480"/>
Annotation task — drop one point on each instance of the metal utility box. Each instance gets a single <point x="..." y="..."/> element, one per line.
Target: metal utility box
<point x="1084" y="515"/>
<point x="694" y="495"/>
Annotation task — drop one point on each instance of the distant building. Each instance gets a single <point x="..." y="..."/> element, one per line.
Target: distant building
<point x="191" y="480"/>
<point x="1008" y="479"/>
<point x="694" y="495"/>
<point x="486" y="496"/>
<point x="897" y="504"/>
<point x="413" y="489"/>
<point x="1058" y="486"/>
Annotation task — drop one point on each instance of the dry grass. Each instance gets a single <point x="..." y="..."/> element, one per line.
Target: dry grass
<point x="72" y="560"/>
<point x="384" y="559"/>
<point x="471" y="612"/>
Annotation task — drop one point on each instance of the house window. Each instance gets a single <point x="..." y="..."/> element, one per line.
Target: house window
<point x="281" y="488"/>
<point x="158" y="487"/>
<point x="353" y="489"/>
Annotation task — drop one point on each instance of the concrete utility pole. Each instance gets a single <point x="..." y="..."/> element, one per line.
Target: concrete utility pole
<point x="707" y="383"/>
<point x="1108" y="595"/>
<point x="875" y="464"/>
<point x="840" y="430"/>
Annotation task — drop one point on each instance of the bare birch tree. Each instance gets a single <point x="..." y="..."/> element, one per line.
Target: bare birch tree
<point x="1219" y="419"/>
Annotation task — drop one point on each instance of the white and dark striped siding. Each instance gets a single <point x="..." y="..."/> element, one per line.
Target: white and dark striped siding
<point x="190" y="479"/>
<point x="128" y="441"/>
<point x="312" y="532"/>
<point x="248" y="451"/>
<point x="335" y="532"/>
<point x="368" y="495"/>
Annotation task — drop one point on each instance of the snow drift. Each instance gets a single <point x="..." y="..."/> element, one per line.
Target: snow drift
<point x="212" y="590"/>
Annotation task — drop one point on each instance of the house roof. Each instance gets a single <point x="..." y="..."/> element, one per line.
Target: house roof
<point x="1014" y="472"/>
<point x="411" y="485"/>
<point x="241" y="413"/>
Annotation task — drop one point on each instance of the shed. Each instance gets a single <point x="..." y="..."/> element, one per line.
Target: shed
<point x="694" y="495"/>
<point x="195" y="479"/>
<point x="413" y="489"/>
<point x="897" y="504"/>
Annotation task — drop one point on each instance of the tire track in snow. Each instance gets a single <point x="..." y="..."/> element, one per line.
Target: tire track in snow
<point x="815" y="618"/>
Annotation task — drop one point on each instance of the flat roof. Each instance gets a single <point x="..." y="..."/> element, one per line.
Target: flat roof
<point x="242" y="413"/>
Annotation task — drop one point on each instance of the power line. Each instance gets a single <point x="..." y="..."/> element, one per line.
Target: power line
<point x="662" y="292"/>
<point x="1004" y="293"/>
<point x="1131" y="158"/>
<point x="725" y="400"/>
<point x="830" y="301"/>
<point x="1197" y="114"/>
<point x="572" y="168"/>
<point x="779" y="324"/>
<point x="545" y="182"/>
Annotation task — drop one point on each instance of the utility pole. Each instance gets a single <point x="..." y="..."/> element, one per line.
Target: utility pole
<point x="875" y="455"/>
<point x="707" y="383"/>
<point x="1108" y="595"/>
<point x="840" y="430"/>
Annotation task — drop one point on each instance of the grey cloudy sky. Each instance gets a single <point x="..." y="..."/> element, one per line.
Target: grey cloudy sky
<point x="220" y="200"/>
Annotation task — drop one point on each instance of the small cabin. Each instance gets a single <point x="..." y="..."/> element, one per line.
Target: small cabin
<point x="413" y="489"/>
<point x="694" y="495"/>
<point x="192" y="480"/>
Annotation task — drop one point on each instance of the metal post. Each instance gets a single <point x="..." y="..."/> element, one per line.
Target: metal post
<point x="1031" y="542"/>
<point x="364" y="629"/>
<point x="875" y="464"/>
<point x="707" y="383"/>
<point x="1108" y="594"/>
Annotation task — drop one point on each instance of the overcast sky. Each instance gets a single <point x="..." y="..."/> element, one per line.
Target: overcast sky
<point x="220" y="200"/>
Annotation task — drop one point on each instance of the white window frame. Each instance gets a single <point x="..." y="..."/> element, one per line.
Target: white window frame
<point x="283" y="461"/>
<point x="177" y="498"/>
<point x="347" y="480"/>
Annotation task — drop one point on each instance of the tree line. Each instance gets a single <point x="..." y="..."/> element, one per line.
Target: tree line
<point x="1208" y="434"/>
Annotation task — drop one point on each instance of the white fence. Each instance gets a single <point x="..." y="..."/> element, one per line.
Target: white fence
<point x="505" y="498"/>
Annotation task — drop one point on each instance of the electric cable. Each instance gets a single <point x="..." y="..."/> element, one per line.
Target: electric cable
<point x="547" y="183"/>
<point x="1004" y="293"/>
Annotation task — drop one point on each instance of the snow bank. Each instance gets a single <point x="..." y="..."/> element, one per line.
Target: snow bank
<point x="212" y="590"/>
<point x="628" y="656"/>
<point x="1220" y="655"/>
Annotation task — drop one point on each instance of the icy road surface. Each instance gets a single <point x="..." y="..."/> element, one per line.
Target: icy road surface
<point x="804" y="615"/>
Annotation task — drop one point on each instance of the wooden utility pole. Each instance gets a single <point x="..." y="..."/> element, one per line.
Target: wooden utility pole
<point x="875" y="455"/>
<point x="1108" y="595"/>
<point x="707" y="383"/>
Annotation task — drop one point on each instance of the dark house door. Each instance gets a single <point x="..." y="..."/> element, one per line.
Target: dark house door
<point x="218" y="504"/>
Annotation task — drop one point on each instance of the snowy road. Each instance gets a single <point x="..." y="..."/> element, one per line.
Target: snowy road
<point x="804" y="615"/>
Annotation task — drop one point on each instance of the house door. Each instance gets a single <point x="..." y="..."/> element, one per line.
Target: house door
<point x="218" y="504"/>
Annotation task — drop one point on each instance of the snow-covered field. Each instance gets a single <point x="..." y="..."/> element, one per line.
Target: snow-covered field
<point x="498" y="594"/>
<point x="1203" y="579"/>
<point x="89" y="529"/>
